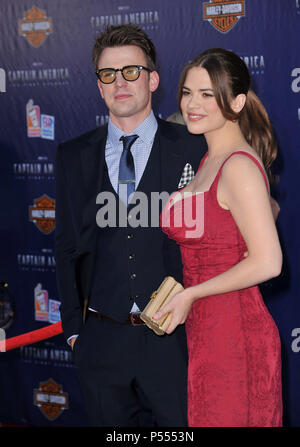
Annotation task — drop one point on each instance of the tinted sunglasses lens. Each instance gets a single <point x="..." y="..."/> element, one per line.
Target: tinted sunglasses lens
<point x="107" y="76"/>
<point x="131" y="73"/>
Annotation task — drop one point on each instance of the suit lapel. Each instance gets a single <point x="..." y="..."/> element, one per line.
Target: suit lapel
<point x="92" y="161"/>
<point x="172" y="160"/>
<point x="92" y="157"/>
<point x="175" y="155"/>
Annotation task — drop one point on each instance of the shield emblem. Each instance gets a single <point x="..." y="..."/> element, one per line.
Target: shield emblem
<point x="224" y="14"/>
<point x="42" y="214"/>
<point x="35" y="26"/>
<point x="51" y="399"/>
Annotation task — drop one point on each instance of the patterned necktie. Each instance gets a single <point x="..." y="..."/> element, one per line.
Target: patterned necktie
<point x="126" y="168"/>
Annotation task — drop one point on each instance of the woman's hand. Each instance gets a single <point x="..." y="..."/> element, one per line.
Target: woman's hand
<point x="179" y="306"/>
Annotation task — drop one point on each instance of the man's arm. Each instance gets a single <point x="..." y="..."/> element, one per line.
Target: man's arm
<point x="65" y="252"/>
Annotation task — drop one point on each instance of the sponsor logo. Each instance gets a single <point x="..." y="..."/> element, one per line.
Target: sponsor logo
<point x="144" y="19"/>
<point x="43" y="261"/>
<point x="33" y="119"/>
<point x="38" y="170"/>
<point x="42" y="214"/>
<point x="2" y="340"/>
<point x="113" y="212"/>
<point x="38" y="76"/>
<point x="54" y="313"/>
<point x="47" y="127"/>
<point x="2" y="80"/>
<point x="38" y="125"/>
<point x="296" y="342"/>
<point x="45" y="309"/>
<point x="51" y="399"/>
<point x="41" y="303"/>
<point x="295" y="85"/>
<point x="47" y="354"/>
<point x="35" y="26"/>
<point x="296" y="81"/>
<point x="223" y="14"/>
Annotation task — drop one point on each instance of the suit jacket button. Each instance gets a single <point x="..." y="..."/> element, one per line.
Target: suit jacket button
<point x="132" y="256"/>
<point x="130" y="236"/>
<point x="133" y="276"/>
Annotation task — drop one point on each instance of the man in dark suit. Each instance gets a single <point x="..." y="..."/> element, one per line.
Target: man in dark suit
<point x="106" y="273"/>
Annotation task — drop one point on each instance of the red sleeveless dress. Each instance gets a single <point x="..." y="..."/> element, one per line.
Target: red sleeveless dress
<point x="234" y="373"/>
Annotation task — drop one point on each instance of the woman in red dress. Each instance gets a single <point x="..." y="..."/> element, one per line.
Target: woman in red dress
<point x="224" y="225"/>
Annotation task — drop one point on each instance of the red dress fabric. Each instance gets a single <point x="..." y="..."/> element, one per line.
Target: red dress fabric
<point x="234" y="373"/>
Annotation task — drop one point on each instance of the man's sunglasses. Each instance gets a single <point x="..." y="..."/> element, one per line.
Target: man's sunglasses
<point x="129" y="73"/>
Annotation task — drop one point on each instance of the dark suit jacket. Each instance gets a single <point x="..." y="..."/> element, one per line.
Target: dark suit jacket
<point x="79" y="168"/>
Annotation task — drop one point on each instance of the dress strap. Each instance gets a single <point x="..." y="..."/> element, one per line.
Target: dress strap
<point x="249" y="156"/>
<point x="202" y="161"/>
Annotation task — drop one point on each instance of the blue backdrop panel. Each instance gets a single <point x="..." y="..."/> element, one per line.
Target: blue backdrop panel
<point x="48" y="94"/>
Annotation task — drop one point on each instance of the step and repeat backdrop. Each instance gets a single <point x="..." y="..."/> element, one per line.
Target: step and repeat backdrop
<point x="48" y="94"/>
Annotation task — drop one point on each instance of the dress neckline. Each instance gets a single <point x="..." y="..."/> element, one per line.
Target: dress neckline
<point x="193" y="194"/>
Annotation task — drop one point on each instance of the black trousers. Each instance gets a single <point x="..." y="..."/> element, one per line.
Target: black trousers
<point x="131" y="377"/>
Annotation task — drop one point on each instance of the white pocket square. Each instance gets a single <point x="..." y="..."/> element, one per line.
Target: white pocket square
<point x="187" y="176"/>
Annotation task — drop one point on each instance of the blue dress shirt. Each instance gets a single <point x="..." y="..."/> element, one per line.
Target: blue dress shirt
<point x="140" y="149"/>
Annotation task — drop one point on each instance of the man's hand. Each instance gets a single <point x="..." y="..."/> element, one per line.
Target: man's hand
<point x="72" y="341"/>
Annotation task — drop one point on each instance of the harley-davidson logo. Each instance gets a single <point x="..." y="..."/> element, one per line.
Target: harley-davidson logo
<point x="224" y="14"/>
<point x="35" y="26"/>
<point x="42" y="214"/>
<point x="51" y="399"/>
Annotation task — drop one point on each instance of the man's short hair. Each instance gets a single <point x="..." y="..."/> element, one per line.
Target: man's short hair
<point x="121" y="35"/>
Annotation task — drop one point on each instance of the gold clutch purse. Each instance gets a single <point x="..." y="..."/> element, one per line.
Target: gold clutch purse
<point x="168" y="288"/>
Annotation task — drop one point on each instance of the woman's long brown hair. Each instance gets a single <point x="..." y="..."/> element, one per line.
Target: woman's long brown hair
<point x="230" y="77"/>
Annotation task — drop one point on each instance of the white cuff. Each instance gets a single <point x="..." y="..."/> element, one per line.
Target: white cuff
<point x="70" y="338"/>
